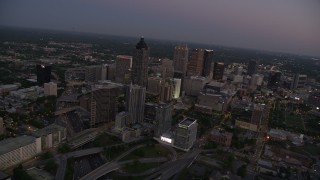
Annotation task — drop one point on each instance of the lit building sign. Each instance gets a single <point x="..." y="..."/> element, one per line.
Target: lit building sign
<point x="168" y="140"/>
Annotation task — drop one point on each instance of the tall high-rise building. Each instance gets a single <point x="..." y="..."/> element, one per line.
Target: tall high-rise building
<point x="166" y="90"/>
<point x="177" y="87"/>
<point x="43" y="74"/>
<point x="103" y="104"/>
<point x="135" y="103"/>
<point x="252" y="67"/>
<point x="274" y="79"/>
<point x="218" y="70"/>
<point x="163" y="118"/>
<point x="123" y="63"/>
<point x="159" y="114"/>
<point x="207" y="63"/>
<point x="186" y="134"/>
<point x="50" y="89"/>
<point x="196" y="63"/>
<point x="140" y="64"/>
<point x="93" y="73"/>
<point x="167" y="70"/>
<point x="299" y="81"/>
<point x="180" y="60"/>
<point x="154" y="85"/>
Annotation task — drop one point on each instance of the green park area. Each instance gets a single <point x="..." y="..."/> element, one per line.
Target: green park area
<point x="149" y="151"/>
<point x="294" y="118"/>
<point x="105" y="139"/>
<point x="137" y="167"/>
<point x="308" y="149"/>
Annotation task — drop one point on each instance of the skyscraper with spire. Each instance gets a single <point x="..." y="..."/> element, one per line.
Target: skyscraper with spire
<point x="139" y="73"/>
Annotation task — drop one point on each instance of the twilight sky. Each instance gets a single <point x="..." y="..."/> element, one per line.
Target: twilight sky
<point x="277" y="25"/>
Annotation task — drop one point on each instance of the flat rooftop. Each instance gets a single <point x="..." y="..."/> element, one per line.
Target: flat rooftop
<point x="11" y="144"/>
<point x="124" y="57"/>
<point x="187" y="122"/>
<point x="48" y="130"/>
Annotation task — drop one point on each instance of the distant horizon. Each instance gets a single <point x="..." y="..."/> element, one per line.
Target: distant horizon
<point x="288" y="26"/>
<point x="158" y="39"/>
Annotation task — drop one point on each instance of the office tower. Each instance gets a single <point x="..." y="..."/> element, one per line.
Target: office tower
<point x="93" y="73"/>
<point x="163" y="118"/>
<point x="252" y="67"/>
<point x="218" y="70"/>
<point x="104" y="72"/>
<point x="43" y="74"/>
<point x="154" y="85"/>
<point x="159" y="114"/>
<point x="274" y="79"/>
<point x="256" y="80"/>
<point x="166" y="90"/>
<point x="140" y="64"/>
<point x="299" y="81"/>
<point x="196" y="63"/>
<point x="123" y="63"/>
<point x="177" y="87"/>
<point x="50" y="89"/>
<point x="135" y="103"/>
<point x="180" y="60"/>
<point x="207" y="63"/>
<point x="167" y="70"/>
<point x="103" y="104"/>
<point x="186" y="134"/>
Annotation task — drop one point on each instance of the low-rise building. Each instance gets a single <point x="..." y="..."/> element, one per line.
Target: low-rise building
<point x="50" y="89"/>
<point x="221" y="136"/>
<point x="51" y="135"/>
<point x="16" y="150"/>
<point x="121" y="120"/>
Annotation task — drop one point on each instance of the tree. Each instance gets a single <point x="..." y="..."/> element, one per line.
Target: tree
<point x="64" y="148"/>
<point x="20" y="174"/>
<point x="242" y="171"/>
<point x="46" y="155"/>
<point x="51" y="166"/>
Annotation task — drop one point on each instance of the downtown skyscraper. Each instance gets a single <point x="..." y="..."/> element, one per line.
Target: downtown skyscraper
<point x="180" y="60"/>
<point x="139" y="73"/>
<point x="135" y="99"/>
<point x="207" y="63"/>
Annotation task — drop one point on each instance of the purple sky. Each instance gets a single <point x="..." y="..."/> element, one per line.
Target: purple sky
<point x="277" y="25"/>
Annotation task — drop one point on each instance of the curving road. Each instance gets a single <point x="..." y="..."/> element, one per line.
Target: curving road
<point x="63" y="159"/>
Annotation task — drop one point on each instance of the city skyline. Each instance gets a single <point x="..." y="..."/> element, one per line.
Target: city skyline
<point x="288" y="26"/>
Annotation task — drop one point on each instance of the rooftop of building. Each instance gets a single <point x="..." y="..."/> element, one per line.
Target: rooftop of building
<point x="5" y="86"/>
<point x="187" y="122"/>
<point x="216" y="84"/>
<point x="221" y="132"/>
<point x="48" y="130"/>
<point x="122" y="113"/>
<point x="124" y="57"/>
<point x="11" y="144"/>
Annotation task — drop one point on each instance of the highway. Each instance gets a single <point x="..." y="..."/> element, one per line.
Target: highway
<point x="63" y="159"/>
<point x="112" y="166"/>
<point x="174" y="167"/>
